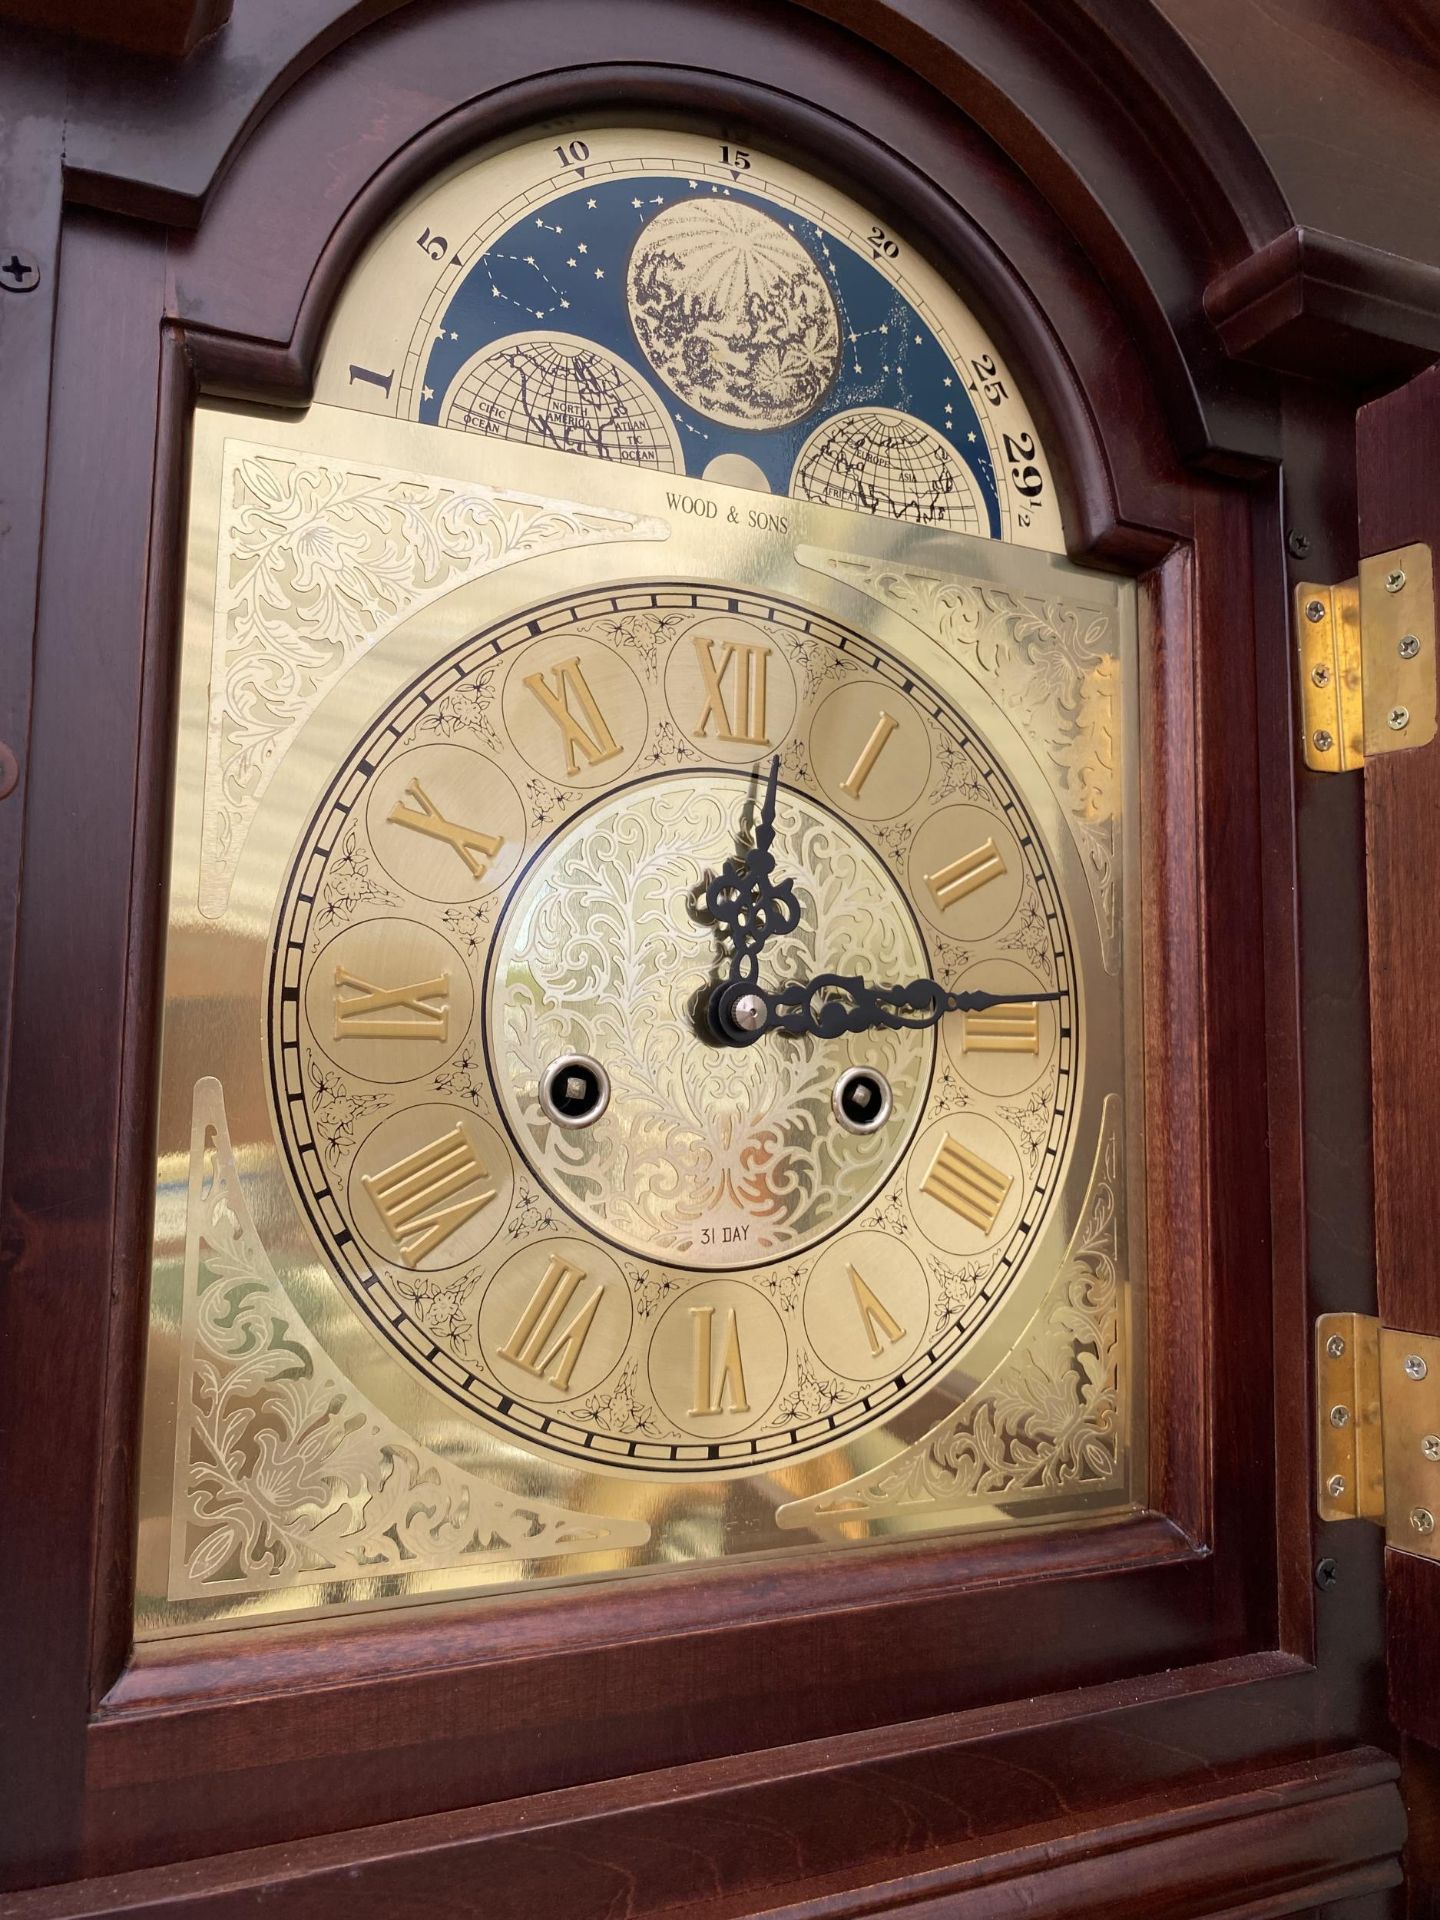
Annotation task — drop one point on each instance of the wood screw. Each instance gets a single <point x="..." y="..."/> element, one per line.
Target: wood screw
<point x="19" y="271"/>
<point x="1430" y="1446"/>
<point x="1324" y="741"/>
<point x="1298" y="543"/>
<point x="1415" y="1367"/>
<point x="1409" y="647"/>
<point x="1422" y="1520"/>
<point x="1326" y="1574"/>
<point x="1314" y="609"/>
<point x="1394" y="581"/>
<point x="1335" y="1345"/>
<point x="1321" y="676"/>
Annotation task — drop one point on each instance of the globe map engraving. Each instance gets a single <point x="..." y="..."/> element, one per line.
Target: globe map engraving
<point x="874" y="460"/>
<point x="553" y="390"/>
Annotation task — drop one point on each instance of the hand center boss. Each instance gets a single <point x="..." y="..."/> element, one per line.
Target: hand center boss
<point x="746" y="900"/>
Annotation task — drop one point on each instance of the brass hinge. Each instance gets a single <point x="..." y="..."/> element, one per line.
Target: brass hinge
<point x="1377" y="1429"/>
<point x="1367" y="661"/>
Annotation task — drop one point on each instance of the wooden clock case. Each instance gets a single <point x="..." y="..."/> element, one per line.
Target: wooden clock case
<point x="1167" y="1714"/>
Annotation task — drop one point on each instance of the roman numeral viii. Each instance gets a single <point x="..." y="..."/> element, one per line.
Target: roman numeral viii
<point x="410" y="1196"/>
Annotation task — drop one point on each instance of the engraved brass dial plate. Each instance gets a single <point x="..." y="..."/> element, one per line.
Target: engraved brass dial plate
<point x="641" y="465"/>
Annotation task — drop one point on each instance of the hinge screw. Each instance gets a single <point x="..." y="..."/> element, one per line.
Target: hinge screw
<point x="19" y="272"/>
<point x="1335" y="1345"/>
<point x="1298" y="543"/>
<point x="1399" y="718"/>
<point x="1394" y="581"/>
<point x="1324" y="741"/>
<point x="1430" y="1446"/>
<point x="1326" y="1574"/>
<point x="1339" y="1416"/>
<point x="1409" y="647"/>
<point x="1314" y="609"/>
<point x="1335" y="1485"/>
<point x="1321" y="676"/>
<point x="1415" y="1367"/>
<point x="1422" y="1520"/>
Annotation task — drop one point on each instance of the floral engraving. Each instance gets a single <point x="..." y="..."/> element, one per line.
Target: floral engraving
<point x="1048" y="1420"/>
<point x="319" y="559"/>
<point x="335" y="1109"/>
<point x="623" y="1411"/>
<point x="349" y="884"/>
<point x="284" y="1472"/>
<point x="1053" y="667"/>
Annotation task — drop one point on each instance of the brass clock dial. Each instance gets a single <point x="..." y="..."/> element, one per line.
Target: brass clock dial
<point x="678" y="302"/>
<point x="650" y="959"/>
<point x="693" y="1276"/>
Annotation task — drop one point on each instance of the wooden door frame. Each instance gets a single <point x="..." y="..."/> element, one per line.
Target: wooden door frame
<point x="1192" y="1628"/>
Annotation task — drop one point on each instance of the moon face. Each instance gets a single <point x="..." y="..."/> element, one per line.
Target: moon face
<point x="733" y="314"/>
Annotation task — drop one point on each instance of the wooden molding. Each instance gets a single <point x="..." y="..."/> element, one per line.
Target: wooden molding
<point x="169" y="28"/>
<point x="887" y="1840"/>
<point x="1315" y="304"/>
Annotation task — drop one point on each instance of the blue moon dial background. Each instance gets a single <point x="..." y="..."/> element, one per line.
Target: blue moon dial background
<point x="565" y="269"/>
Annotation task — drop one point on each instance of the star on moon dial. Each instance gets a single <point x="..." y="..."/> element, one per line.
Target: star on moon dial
<point x="681" y="303"/>
<point x="520" y="1147"/>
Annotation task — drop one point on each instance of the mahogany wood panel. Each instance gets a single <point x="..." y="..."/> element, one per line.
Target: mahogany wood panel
<point x="909" y="1837"/>
<point x="170" y="28"/>
<point x="1398" y="443"/>
<point x="249" y="1738"/>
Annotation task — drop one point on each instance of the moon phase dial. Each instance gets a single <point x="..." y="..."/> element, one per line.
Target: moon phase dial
<point x="524" y="1154"/>
<point x="675" y="302"/>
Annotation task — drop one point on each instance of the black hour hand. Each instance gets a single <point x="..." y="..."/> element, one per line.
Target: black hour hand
<point x="836" y="1003"/>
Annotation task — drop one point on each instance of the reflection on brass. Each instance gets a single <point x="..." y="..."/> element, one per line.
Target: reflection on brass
<point x="702" y="1325"/>
<point x="1051" y="664"/>
<point x="1368" y="660"/>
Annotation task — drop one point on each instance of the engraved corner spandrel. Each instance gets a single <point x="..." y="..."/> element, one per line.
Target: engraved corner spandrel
<point x="287" y="1475"/>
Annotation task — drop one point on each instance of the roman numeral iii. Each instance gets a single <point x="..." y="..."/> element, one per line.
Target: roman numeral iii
<point x="739" y="715"/>
<point x="410" y="1195"/>
<point x="966" y="1184"/>
<point x="1012" y="1028"/>
<point x="584" y="731"/>
<point x="966" y="874"/>
<point x="361" y="1009"/>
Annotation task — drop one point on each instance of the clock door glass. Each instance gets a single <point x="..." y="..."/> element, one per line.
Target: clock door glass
<point x="645" y="1070"/>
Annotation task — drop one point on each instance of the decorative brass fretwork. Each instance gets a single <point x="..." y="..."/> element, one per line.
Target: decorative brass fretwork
<point x="285" y="1473"/>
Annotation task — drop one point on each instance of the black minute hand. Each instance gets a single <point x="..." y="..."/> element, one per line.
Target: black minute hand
<point x="746" y="899"/>
<point x="836" y="1003"/>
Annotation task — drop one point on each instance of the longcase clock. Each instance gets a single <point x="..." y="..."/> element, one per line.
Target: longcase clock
<point x="686" y="1104"/>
